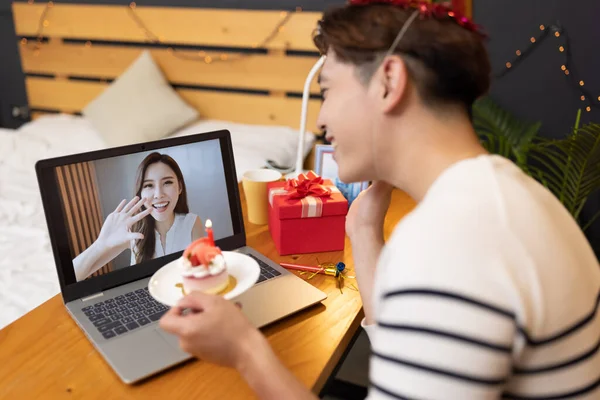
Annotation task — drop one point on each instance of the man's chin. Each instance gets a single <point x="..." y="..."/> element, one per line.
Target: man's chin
<point x="349" y="176"/>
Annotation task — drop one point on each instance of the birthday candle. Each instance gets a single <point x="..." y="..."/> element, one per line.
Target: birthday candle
<point x="209" y="231"/>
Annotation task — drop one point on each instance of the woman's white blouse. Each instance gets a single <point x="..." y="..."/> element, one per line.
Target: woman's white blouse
<point x="178" y="237"/>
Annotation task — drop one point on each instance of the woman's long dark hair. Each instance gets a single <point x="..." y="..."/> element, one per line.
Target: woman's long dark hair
<point x="145" y="248"/>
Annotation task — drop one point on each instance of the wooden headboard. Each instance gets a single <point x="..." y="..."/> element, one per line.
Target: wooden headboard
<point x="213" y="57"/>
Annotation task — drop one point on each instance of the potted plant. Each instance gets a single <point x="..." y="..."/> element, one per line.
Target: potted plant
<point x="568" y="167"/>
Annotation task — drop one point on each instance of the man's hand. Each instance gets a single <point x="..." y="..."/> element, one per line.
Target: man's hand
<point x="367" y="213"/>
<point x="214" y="330"/>
<point x="364" y="226"/>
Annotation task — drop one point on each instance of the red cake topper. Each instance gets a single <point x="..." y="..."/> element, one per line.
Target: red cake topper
<point x="427" y="9"/>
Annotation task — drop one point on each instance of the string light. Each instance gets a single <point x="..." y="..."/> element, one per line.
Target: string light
<point x="151" y="37"/>
<point x="280" y="27"/>
<point x="44" y="22"/>
<point x="223" y="57"/>
<point x="559" y="32"/>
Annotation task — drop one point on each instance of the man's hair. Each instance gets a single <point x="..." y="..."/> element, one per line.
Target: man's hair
<point x="448" y="63"/>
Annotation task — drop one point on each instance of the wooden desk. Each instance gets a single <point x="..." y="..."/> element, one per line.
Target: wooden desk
<point x="44" y="355"/>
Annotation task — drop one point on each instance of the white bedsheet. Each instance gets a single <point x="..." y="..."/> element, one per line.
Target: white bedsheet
<point x="27" y="273"/>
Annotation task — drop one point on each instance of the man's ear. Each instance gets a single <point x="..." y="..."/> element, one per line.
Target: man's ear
<point x="394" y="78"/>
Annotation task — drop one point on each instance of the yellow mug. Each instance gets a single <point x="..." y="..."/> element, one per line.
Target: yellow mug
<point x="257" y="196"/>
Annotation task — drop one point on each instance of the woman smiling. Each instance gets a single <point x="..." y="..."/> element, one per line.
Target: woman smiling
<point x="160" y="183"/>
<point x="160" y="193"/>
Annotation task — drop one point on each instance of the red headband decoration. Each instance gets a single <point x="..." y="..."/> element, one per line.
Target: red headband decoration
<point x="427" y="9"/>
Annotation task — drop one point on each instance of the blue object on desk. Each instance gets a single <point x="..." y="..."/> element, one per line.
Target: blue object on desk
<point x="350" y="190"/>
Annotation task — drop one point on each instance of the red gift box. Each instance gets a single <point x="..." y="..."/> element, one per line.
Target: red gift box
<point x="307" y="215"/>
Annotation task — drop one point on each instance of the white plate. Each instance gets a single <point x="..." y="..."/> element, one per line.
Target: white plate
<point x="162" y="285"/>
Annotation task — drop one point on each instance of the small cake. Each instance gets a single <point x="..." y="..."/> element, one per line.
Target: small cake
<point x="203" y="268"/>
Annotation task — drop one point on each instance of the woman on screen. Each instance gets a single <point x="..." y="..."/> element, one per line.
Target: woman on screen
<point x="155" y="223"/>
<point x="160" y="182"/>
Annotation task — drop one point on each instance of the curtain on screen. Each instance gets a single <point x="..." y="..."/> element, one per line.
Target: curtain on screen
<point x="79" y="192"/>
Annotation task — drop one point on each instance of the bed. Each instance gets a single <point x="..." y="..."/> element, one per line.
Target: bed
<point x="79" y="51"/>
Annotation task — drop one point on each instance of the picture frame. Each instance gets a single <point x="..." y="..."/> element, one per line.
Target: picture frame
<point x="327" y="168"/>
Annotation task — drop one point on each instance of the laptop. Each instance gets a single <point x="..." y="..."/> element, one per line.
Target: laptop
<point x="104" y="284"/>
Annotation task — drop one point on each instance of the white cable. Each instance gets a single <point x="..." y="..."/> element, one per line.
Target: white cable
<point x="303" y="116"/>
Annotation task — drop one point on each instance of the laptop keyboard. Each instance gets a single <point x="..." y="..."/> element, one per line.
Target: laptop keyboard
<point x="266" y="272"/>
<point x="127" y="312"/>
<point x="124" y="313"/>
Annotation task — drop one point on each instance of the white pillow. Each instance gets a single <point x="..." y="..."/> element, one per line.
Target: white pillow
<point x="139" y="106"/>
<point x="58" y="135"/>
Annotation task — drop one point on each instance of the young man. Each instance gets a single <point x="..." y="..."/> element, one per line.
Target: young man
<point x="488" y="288"/>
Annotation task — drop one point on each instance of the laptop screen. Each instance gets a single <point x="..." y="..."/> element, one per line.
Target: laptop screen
<point x="126" y="211"/>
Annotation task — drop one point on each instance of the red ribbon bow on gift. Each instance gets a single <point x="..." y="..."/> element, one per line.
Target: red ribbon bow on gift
<point x="309" y="184"/>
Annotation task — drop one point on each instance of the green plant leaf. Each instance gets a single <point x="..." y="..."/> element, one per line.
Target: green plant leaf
<point x="591" y="221"/>
<point x="576" y="158"/>
<point x="569" y="167"/>
<point x="501" y="133"/>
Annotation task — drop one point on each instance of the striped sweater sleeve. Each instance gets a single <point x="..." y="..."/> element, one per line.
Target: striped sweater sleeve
<point x="369" y="328"/>
<point x="444" y="328"/>
<point x="435" y="344"/>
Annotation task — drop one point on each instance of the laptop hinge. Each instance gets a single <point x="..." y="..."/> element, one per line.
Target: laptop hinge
<point x="92" y="296"/>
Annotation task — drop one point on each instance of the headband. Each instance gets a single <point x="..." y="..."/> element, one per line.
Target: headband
<point x="426" y="9"/>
